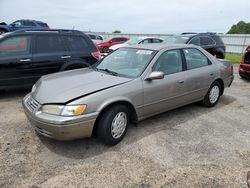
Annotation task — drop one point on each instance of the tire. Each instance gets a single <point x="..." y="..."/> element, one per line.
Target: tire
<point x="105" y="49"/>
<point x="117" y="115"/>
<point x="213" y="95"/>
<point x="2" y="31"/>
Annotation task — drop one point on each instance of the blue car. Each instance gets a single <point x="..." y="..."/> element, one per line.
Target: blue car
<point x="22" y="24"/>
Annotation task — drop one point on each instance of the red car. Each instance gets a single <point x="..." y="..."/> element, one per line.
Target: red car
<point x="104" y="46"/>
<point x="244" y="69"/>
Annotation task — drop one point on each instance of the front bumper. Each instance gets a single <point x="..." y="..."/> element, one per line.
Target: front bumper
<point x="58" y="127"/>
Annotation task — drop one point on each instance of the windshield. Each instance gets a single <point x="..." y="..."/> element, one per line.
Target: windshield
<point x="133" y="41"/>
<point x="176" y="40"/>
<point x="127" y="62"/>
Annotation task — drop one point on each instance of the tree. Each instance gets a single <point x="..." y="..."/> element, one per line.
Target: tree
<point x="240" y="28"/>
<point x="116" y="31"/>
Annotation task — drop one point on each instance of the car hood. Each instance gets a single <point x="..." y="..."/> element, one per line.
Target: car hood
<point x="115" y="47"/>
<point x="67" y="86"/>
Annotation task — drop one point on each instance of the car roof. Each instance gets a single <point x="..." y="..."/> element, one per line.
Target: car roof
<point x="160" y="46"/>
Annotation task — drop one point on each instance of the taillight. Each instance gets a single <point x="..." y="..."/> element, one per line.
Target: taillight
<point x="96" y="55"/>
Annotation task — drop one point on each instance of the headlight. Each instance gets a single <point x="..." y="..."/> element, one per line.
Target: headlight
<point x="33" y="88"/>
<point x="70" y="110"/>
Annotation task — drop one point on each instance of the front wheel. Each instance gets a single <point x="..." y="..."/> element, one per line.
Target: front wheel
<point x="112" y="125"/>
<point x="2" y="31"/>
<point x="213" y="95"/>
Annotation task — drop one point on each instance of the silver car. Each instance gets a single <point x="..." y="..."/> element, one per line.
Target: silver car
<point x="131" y="84"/>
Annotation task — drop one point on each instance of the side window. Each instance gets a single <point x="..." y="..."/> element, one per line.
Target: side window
<point x="169" y="62"/>
<point x="156" y="40"/>
<point x="113" y="40"/>
<point x="48" y="44"/>
<point x="195" y="41"/>
<point x="207" y="41"/>
<point x="77" y="43"/>
<point x="195" y="58"/>
<point x="18" y="23"/>
<point x="122" y="39"/>
<point x="15" y="46"/>
<point x="29" y="23"/>
<point x="145" y="41"/>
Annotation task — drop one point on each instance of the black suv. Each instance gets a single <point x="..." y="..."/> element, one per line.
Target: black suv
<point x="27" y="55"/>
<point x="209" y="41"/>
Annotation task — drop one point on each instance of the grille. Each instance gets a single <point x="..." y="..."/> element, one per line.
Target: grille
<point x="32" y="104"/>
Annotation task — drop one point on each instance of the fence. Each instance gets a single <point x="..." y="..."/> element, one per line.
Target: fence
<point x="234" y="43"/>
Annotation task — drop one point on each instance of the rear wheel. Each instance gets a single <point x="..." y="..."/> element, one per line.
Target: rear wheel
<point x="112" y="125"/>
<point x="105" y="49"/>
<point x="213" y="95"/>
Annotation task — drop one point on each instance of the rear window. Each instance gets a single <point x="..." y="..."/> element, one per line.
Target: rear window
<point x="15" y="45"/>
<point x="77" y="43"/>
<point x="218" y="40"/>
<point x="48" y="44"/>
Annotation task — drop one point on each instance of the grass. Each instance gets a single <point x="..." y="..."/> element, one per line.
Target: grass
<point x="233" y="58"/>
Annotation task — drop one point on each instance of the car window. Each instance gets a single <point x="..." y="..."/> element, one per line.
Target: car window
<point x="169" y="62"/>
<point x="195" y="41"/>
<point x="17" y="23"/>
<point x="206" y="41"/>
<point x="77" y="43"/>
<point x="15" y="46"/>
<point x="128" y="62"/>
<point x="145" y="41"/>
<point x="28" y="23"/>
<point x="195" y="59"/>
<point x="156" y="40"/>
<point x="99" y="38"/>
<point x="92" y="36"/>
<point x="48" y="44"/>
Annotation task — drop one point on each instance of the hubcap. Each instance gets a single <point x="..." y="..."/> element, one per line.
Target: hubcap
<point x="214" y="94"/>
<point x="119" y="125"/>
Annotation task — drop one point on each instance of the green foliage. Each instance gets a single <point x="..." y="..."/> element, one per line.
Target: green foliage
<point x="240" y="28"/>
<point x="116" y="31"/>
<point x="233" y="58"/>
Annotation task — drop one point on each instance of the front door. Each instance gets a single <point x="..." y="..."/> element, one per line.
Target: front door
<point x="169" y="92"/>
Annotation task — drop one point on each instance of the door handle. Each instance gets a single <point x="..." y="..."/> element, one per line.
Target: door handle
<point x="181" y="81"/>
<point x="211" y="74"/>
<point x="66" y="57"/>
<point x="25" y="60"/>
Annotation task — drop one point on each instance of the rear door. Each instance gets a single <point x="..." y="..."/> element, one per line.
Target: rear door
<point x="80" y="48"/>
<point x="15" y="61"/>
<point x="208" y="44"/>
<point x="49" y="54"/>
<point x="200" y="73"/>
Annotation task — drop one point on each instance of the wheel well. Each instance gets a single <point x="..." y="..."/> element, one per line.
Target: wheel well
<point x="133" y="115"/>
<point x="220" y="81"/>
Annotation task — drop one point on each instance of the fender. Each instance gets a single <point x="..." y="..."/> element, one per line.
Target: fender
<point x="74" y="63"/>
<point x="5" y="27"/>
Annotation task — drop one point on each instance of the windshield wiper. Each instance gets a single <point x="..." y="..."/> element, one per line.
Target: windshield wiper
<point x="109" y="71"/>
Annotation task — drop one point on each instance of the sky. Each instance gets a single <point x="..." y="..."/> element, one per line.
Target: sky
<point x="130" y="16"/>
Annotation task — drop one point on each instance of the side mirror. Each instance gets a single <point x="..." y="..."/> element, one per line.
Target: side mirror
<point x="110" y="41"/>
<point x="155" y="75"/>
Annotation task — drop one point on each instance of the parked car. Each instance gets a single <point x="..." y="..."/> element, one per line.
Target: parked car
<point x="209" y="41"/>
<point x="25" y="56"/>
<point x="137" y="40"/>
<point x="95" y="38"/>
<point x="130" y="84"/>
<point x="22" y="24"/>
<point x="244" y="68"/>
<point x="104" y="46"/>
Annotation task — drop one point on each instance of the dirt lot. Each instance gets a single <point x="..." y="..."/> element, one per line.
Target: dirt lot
<point x="191" y="146"/>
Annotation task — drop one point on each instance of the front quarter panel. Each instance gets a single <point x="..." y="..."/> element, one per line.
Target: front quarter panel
<point x="128" y="92"/>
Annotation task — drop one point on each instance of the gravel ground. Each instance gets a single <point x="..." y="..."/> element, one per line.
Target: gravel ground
<point x="191" y="146"/>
